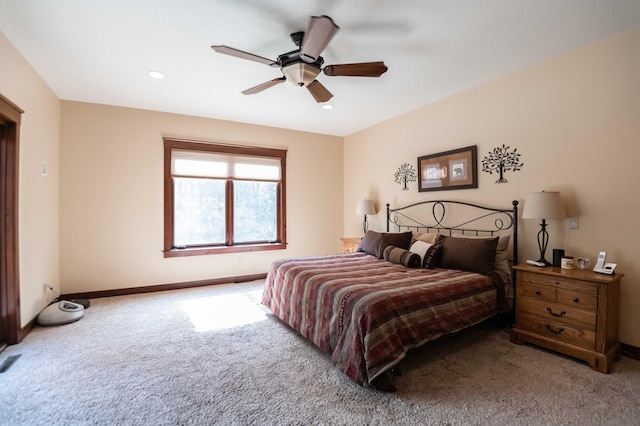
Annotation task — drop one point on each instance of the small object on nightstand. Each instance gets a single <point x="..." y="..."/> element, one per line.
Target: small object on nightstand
<point x="602" y="267"/>
<point x="583" y="262"/>
<point x="350" y="244"/>
<point x="557" y="257"/>
<point x="535" y="263"/>
<point x="566" y="262"/>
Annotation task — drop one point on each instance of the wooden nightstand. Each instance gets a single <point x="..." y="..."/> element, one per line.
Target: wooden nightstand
<point x="571" y="311"/>
<point x="349" y="245"/>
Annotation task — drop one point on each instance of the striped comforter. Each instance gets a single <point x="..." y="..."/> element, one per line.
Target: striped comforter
<point x="367" y="312"/>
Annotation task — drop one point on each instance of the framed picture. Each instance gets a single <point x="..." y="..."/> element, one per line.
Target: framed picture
<point x="454" y="169"/>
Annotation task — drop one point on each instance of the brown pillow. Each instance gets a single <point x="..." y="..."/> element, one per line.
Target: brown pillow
<point x="400" y="239"/>
<point x="374" y="242"/>
<point x="501" y="266"/>
<point x="468" y="254"/>
<point x="401" y="256"/>
<point x="370" y="243"/>
<point x="432" y="257"/>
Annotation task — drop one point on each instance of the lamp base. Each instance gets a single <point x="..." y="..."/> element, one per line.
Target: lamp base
<point x="543" y="260"/>
<point x="365" y="224"/>
<point x="543" y="240"/>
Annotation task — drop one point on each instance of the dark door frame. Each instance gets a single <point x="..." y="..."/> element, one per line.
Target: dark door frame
<point x="10" y="116"/>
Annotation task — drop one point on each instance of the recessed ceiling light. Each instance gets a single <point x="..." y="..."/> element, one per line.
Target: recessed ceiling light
<point x="327" y="106"/>
<point x="157" y="74"/>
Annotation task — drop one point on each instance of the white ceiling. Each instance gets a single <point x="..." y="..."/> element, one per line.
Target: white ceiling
<point x="100" y="51"/>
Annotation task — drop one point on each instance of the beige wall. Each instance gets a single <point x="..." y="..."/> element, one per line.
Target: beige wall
<point x="111" y="197"/>
<point x="38" y="194"/>
<point x="575" y="120"/>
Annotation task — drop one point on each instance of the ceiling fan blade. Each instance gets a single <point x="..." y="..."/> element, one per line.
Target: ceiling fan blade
<point x="319" y="92"/>
<point x="260" y="87"/>
<point x="243" y="55"/>
<point x="319" y="33"/>
<point x="364" y="69"/>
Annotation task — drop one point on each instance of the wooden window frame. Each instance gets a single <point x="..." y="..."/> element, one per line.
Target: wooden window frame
<point x="169" y="248"/>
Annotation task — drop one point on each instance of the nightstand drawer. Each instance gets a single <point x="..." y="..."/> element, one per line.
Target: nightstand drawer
<point x="578" y="299"/>
<point x="569" y="292"/>
<point x="549" y="311"/>
<point x="560" y="331"/>
<point x="539" y="291"/>
<point x="565" y="283"/>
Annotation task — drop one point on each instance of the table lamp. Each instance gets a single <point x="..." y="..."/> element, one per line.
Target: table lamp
<point x="365" y="207"/>
<point x="543" y="205"/>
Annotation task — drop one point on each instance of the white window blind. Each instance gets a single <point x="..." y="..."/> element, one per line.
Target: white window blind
<point x="214" y="165"/>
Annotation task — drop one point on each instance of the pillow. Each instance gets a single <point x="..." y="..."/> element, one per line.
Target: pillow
<point x="501" y="248"/>
<point x="427" y="237"/>
<point x="401" y="256"/>
<point x="469" y="254"/>
<point x="370" y="243"/>
<point x="432" y="257"/>
<point x="420" y="248"/>
<point x="374" y="242"/>
<point x="502" y="256"/>
<point x="428" y="253"/>
<point x="400" y="239"/>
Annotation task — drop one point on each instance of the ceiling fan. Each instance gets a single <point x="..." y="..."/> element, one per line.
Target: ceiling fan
<point x="302" y="66"/>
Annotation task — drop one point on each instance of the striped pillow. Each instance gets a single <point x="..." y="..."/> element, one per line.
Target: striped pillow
<point x="401" y="256"/>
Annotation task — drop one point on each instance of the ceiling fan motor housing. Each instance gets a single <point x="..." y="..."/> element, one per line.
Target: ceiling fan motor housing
<point x="297" y="38"/>
<point x="296" y="70"/>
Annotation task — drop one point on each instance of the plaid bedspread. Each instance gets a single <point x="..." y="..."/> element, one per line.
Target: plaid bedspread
<point x="367" y="312"/>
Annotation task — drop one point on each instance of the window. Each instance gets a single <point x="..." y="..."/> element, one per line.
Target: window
<point x="222" y="198"/>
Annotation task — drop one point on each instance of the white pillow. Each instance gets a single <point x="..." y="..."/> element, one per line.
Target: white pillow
<point x="420" y="248"/>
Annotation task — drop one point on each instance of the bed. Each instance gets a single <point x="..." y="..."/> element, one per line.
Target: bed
<point x="441" y="267"/>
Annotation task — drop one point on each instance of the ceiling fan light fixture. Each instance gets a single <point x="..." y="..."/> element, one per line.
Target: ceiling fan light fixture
<point x="301" y="73"/>
<point x="327" y="106"/>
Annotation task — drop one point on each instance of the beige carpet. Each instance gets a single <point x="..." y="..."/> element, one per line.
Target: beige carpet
<point x="213" y="355"/>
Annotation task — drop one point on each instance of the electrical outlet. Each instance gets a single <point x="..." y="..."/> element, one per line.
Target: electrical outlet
<point x="573" y="223"/>
<point x="51" y="293"/>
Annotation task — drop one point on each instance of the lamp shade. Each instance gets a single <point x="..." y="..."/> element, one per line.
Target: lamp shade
<point x="543" y="205"/>
<point x="365" y="207"/>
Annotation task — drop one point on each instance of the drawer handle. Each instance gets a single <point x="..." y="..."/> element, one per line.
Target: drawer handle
<point x="561" y="314"/>
<point x="538" y="292"/>
<point x="575" y="299"/>
<point x="558" y="330"/>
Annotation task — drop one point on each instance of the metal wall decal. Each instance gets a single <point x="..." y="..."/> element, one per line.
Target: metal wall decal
<point x="406" y="173"/>
<point x="501" y="160"/>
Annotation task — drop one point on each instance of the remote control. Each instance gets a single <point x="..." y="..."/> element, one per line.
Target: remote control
<point x="535" y="263"/>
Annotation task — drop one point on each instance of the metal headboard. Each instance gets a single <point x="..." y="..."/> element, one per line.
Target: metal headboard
<point x="468" y="219"/>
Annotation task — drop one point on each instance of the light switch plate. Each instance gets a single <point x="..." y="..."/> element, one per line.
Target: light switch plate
<point x="573" y="223"/>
